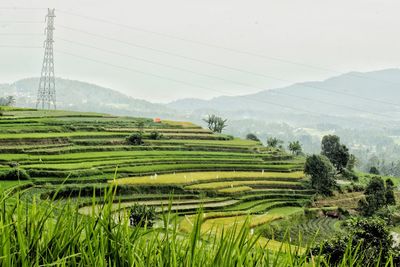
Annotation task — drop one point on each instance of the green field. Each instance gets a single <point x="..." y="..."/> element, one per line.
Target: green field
<point x="75" y="157"/>
<point x="71" y="154"/>
<point x="210" y="192"/>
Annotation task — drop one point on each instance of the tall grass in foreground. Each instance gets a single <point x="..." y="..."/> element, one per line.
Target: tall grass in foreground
<point x="43" y="233"/>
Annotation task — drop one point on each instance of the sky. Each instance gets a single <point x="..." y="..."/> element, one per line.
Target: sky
<point x="165" y="50"/>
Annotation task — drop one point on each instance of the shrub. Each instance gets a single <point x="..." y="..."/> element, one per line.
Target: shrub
<point x="142" y="215"/>
<point x="387" y="214"/>
<point x="229" y="137"/>
<point x="15" y="174"/>
<point x="374" y="170"/>
<point x="13" y="164"/>
<point x="70" y="128"/>
<point x="155" y="135"/>
<point x="390" y="198"/>
<point x="252" y="136"/>
<point x="377" y="195"/>
<point x="135" y="139"/>
<point x="349" y="175"/>
<point x="358" y="187"/>
<point x="343" y="212"/>
<point x="371" y="236"/>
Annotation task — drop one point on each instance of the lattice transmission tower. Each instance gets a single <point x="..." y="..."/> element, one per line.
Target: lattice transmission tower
<point x="47" y="85"/>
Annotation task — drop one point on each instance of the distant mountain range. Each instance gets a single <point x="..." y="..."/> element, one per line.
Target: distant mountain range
<point x="371" y="94"/>
<point x="345" y="98"/>
<point x="82" y="96"/>
<point x="362" y="108"/>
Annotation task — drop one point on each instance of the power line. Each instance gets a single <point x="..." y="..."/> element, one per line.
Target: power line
<point x="22" y="8"/>
<point x="19" y="46"/>
<point x="202" y="61"/>
<point x="226" y="66"/>
<point x="20" y="22"/>
<point x="248" y="53"/>
<point x="194" y="85"/>
<point x="177" y="81"/>
<point x="214" y="77"/>
<point x="20" y="34"/>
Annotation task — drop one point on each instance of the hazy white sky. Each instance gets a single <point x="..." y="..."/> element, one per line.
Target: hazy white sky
<point x="340" y="35"/>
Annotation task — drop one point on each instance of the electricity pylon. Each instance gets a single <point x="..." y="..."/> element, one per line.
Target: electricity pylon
<point x="47" y="86"/>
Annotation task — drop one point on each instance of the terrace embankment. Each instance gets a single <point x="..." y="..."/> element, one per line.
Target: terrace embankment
<point x="78" y="156"/>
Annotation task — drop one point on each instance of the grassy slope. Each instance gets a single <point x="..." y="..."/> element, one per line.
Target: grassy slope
<point x="74" y="157"/>
<point x="52" y="146"/>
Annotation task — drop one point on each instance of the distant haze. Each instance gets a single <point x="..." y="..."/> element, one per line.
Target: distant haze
<point x="326" y="37"/>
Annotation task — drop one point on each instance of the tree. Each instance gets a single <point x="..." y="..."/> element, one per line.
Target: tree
<point x="252" y="136"/>
<point x="215" y="123"/>
<point x="322" y="173"/>
<point x="10" y="100"/>
<point x="135" y="139"/>
<point x="7" y="101"/>
<point x="295" y="147"/>
<point x="374" y="170"/>
<point x="274" y="142"/>
<point x="142" y="215"/>
<point x="351" y="163"/>
<point x="140" y="126"/>
<point x="371" y="237"/>
<point x="375" y="197"/>
<point x="337" y="153"/>
<point x="390" y="198"/>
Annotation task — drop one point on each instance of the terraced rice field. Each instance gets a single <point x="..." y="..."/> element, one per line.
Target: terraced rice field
<point x="162" y="204"/>
<point x="310" y="230"/>
<point x="223" y="221"/>
<point x="77" y="156"/>
<point x="184" y="178"/>
<point x="347" y="200"/>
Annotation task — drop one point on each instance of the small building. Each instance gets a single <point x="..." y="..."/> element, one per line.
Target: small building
<point x="157" y="120"/>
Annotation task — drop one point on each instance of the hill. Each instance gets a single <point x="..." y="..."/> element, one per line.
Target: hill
<point x="353" y="90"/>
<point x="76" y="95"/>
<point x="80" y="154"/>
<point x="368" y="128"/>
<point x="362" y="108"/>
<point x="340" y="99"/>
<point x="77" y="175"/>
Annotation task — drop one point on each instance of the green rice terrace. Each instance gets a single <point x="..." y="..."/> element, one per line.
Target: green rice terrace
<point x="180" y="169"/>
<point x="70" y="154"/>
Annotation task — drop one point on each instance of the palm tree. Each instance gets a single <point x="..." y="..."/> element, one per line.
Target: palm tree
<point x="274" y="142"/>
<point x="295" y="147"/>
